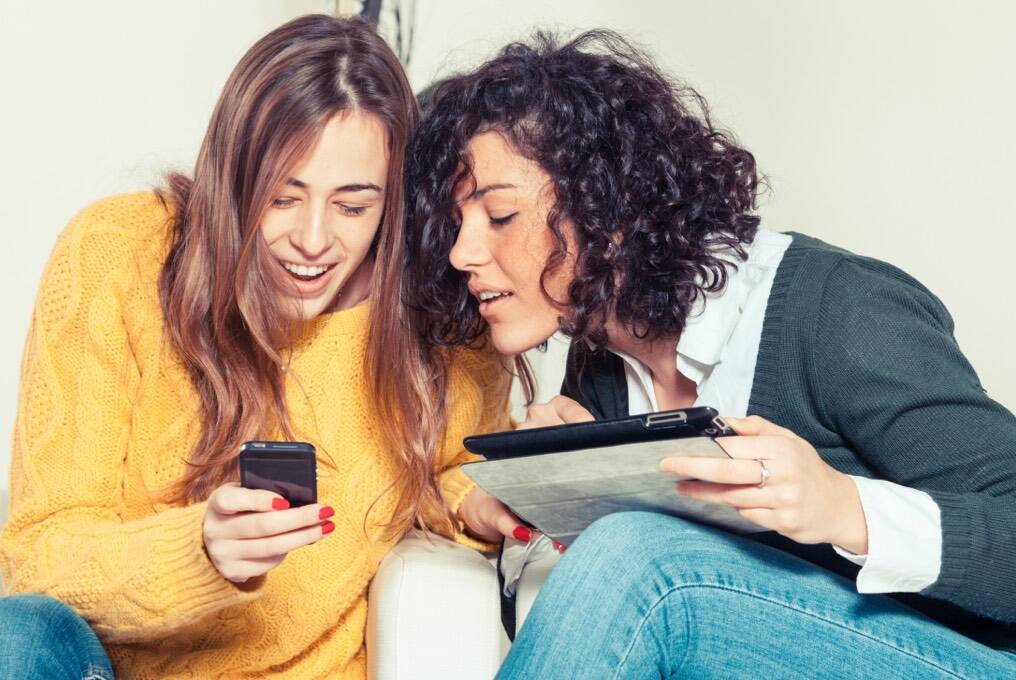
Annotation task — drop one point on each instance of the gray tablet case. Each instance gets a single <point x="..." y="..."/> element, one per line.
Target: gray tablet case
<point x="562" y="493"/>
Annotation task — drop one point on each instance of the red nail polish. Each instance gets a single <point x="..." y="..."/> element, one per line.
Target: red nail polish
<point x="559" y="546"/>
<point x="522" y="533"/>
<point x="279" y="504"/>
<point x="326" y="512"/>
<point x="327" y="528"/>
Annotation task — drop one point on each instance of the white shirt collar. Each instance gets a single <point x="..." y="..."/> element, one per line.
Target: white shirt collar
<point x="714" y="316"/>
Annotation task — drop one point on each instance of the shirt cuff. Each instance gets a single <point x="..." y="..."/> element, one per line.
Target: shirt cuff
<point x="904" y="538"/>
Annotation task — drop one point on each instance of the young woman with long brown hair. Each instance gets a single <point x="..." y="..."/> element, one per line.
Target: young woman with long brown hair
<point x="258" y="299"/>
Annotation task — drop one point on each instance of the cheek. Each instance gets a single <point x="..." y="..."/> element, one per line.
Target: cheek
<point x="357" y="239"/>
<point x="538" y="247"/>
<point x="274" y="226"/>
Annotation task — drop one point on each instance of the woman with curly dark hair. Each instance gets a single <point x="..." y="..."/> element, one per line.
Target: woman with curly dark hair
<point x="575" y="188"/>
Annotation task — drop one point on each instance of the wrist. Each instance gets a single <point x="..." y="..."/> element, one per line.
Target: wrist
<point x="464" y="510"/>
<point x="852" y="530"/>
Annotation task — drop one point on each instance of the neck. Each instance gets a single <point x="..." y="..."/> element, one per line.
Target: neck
<point x="673" y="390"/>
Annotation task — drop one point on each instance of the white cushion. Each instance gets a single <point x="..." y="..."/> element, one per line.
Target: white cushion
<point x="434" y="612"/>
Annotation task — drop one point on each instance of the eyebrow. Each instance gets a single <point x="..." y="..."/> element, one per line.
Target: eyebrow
<point x="479" y="193"/>
<point x="292" y="181"/>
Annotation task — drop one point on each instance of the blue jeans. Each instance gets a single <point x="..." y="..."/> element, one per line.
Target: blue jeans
<point x="43" y="638"/>
<point x="642" y="595"/>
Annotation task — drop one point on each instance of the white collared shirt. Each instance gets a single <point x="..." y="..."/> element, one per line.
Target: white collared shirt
<point x="718" y="350"/>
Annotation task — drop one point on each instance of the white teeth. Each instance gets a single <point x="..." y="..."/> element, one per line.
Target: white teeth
<point x="490" y="295"/>
<point x="302" y="270"/>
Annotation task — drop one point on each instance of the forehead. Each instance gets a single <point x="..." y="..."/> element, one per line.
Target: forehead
<point x="351" y="147"/>
<point x="495" y="161"/>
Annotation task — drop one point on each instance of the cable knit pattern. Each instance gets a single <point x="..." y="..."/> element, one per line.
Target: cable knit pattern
<point x="106" y="419"/>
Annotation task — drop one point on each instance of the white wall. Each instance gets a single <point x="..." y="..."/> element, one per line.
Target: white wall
<point x="96" y="98"/>
<point x="885" y="127"/>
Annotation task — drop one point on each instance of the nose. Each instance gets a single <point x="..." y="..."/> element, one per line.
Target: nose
<point x="470" y="249"/>
<point x="312" y="234"/>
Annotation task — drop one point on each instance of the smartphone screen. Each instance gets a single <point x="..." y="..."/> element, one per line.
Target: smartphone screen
<point x="286" y="468"/>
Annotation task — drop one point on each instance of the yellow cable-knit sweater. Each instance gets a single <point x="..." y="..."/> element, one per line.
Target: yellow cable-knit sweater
<point x="107" y="416"/>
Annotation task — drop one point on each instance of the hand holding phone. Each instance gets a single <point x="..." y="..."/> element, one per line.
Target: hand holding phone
<point x="249" y="531"/>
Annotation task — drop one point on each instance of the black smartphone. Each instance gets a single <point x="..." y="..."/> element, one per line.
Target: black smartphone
<point x="698" y="421"/>
<point x="286" y="468"/>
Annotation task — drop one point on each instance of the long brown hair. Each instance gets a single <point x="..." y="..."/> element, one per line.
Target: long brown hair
<point x="217" y="293"/>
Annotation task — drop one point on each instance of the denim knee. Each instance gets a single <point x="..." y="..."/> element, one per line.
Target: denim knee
<point x="36" y="617"/>
<point x="41" y="636"/>
<point x="629" y="533"/>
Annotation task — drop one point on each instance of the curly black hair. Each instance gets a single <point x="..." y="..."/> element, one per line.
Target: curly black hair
<point x="653" y="189"/>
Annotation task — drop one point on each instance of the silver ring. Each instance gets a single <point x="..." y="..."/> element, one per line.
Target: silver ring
<point x="765" y="473"/>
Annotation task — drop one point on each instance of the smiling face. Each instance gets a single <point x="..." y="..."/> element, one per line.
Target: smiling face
<point x="503" y="244"/>
<point x="323" y="218"/>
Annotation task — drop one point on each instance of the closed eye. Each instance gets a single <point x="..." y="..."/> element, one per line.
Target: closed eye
<point x="501" y="221"/>
<point x="351" y="210"/>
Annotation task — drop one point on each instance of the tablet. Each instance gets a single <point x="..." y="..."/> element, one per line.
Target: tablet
<point x="698" y="421"/>
<point x="560" y="479"/>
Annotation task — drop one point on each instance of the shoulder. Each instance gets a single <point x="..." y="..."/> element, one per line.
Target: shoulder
<point x="479" y="382"/>
<point x="838" y="286"/>
<point x="118" y="224"/>
<point x="481" y="366"/>
<point x="107" y="248"/>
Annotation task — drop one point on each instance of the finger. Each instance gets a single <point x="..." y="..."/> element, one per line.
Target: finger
<point x="254" y="548"/>
<point x="720" y="470"/>
<point x="230" y="499"/>
<point x="264" y="524"/>
<point x="239" y="571"/>
<point x="560" y="547"/>
<point x="766" y="447"/>
<point x="736" y="495"/>
<point x="570" y="411"/>
<point x="757" y="426"/>
<point x="507" y="524"/>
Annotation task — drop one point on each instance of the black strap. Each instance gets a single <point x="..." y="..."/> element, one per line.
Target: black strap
<point x="508" y="603"/>
<point x="595" y="379"/>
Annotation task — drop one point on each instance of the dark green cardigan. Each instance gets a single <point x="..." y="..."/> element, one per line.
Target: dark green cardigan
<point x="859" y="359"/>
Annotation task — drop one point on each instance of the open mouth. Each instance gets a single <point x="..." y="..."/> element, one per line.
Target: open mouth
<point x="491" y="298"/>
<point x="302" y="272"/>
<point x="491" y="295"/>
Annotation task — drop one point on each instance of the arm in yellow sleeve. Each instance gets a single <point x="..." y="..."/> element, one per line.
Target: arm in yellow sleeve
<point x="66" y="537"/>
<point x="480" y="381"/>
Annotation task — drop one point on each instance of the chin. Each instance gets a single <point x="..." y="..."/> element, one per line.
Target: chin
<point x="509" y="343"/>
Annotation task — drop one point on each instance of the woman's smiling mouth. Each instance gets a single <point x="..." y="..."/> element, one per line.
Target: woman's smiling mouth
<point x="305" y="272"/>
<point x="307" y="281"/>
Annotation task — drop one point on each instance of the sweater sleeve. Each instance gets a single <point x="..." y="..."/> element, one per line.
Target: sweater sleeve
<point x="893" y="381"/>
<point x="131" y="579"/>
<point x="481" y="384"/>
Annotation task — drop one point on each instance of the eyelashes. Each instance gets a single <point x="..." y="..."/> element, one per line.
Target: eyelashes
<point x="347" y="210"/>
<point x="501" y="221"/>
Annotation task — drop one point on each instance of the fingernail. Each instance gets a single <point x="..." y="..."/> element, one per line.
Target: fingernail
<point x="279" y="504"/>
<point x="326" y="512"/>
<point x="559" y="546"/>
<point x="522" y="533"/>
<point x="327" y="527"/>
